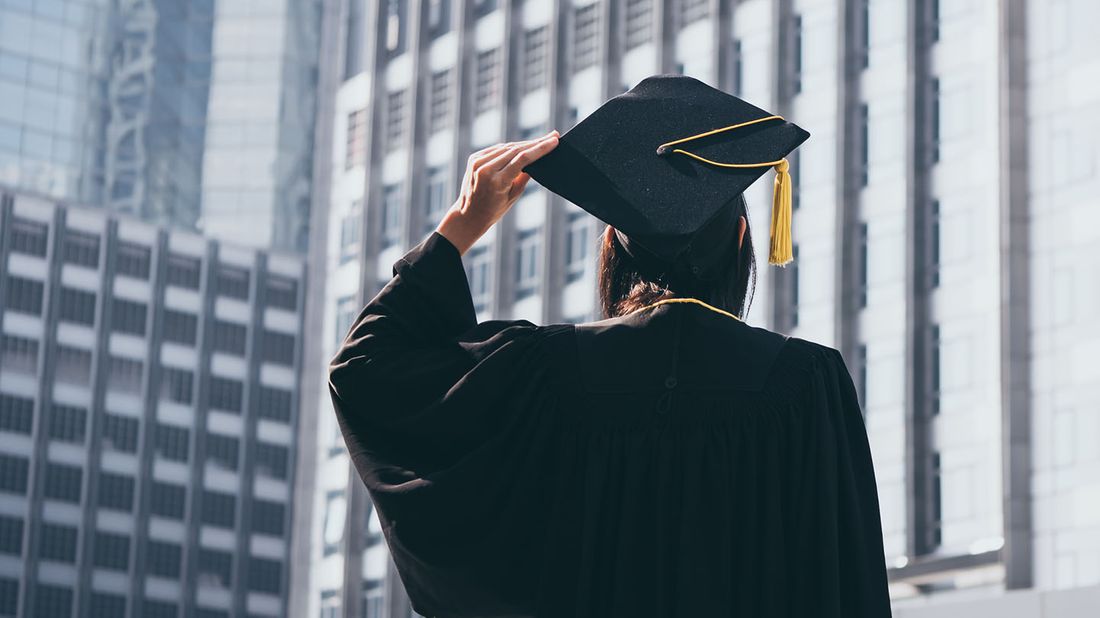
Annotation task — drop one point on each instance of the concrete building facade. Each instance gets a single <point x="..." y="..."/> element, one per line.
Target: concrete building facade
<point x="945" y="232"/>
<point x="149" y="388"/>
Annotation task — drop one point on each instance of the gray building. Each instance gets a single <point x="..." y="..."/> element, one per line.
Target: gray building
<point x="197" y="114"/>
<point x="148" y="410"/>
<point x="945" y="233"/>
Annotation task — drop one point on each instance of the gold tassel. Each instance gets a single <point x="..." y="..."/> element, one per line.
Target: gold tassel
<point x="780" y="252"/>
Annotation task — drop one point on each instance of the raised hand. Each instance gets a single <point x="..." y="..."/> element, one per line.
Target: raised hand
<point x="493" y="181"/>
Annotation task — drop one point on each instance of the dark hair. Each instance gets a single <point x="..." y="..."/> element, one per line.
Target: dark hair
<point x="622" y="288"/>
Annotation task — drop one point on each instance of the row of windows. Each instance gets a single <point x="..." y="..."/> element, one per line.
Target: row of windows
<point x="133" y="260"/>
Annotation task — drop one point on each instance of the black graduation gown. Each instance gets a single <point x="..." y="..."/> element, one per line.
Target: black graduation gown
<point x="672" y="462"/>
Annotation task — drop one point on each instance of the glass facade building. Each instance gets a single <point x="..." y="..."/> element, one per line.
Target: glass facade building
<point x="148" y="404"/>
<point x="197" y="114"/>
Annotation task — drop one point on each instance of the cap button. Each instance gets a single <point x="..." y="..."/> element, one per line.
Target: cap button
<point x="670" y="382"/>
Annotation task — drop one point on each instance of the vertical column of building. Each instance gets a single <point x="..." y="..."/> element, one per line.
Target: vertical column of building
<point x="1015" y="319"/>
<point x="784" y="69"/>
<point x="923" y="513"/>
<point x="52" y="528"/>
<point x="379" y="22"/>
<point x="90" y="523"/>
<point x="853" y="50"/>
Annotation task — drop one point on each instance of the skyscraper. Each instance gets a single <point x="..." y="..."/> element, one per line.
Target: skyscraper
<point x="148" y="406"/>
<point x="945" y="242"/>
<point x="193" y="114"/>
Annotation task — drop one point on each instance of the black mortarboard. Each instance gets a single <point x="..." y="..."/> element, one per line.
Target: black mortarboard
<point x="661" y="162"/>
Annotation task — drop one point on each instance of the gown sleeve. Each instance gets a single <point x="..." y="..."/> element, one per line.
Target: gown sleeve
<point x="426" y="399"/>
<point x="840" y="543"/>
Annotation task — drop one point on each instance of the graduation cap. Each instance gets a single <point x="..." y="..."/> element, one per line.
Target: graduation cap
<point x="663" y="163"/>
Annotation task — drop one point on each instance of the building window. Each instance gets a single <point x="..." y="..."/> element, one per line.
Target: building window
<point x="81" y="249"/>
<point x="934" y="356"/>
<point x="63" y="482"/>
<point x="794" y="285"/>
<point x="24" y="295"/>
<point x="536" y="59"/>
<point x="16" y="414"/>
<point x="865" y="33"/>
<point x="67" y="423"/>
<point x="439" y="17"/>
<point x="586" y="36"/>
<point x="111" y="551"/>
<point x="392" y="206"/>
<point x="436" y="198"/>
<point x="281" y="293"/>
<point x="484" y="7"/>
<point x="166" y="500"/>
<point x="864" y="275"/>
<point x="268" y="517"/>
<point x="487" y="86"/>
<point x="180" y="327"/>
<point x="265" y="575"/>
<point x="73" y="366"/>
<point x="933" y="20"/>
<point x="176" y="385"/>
<point x="796" y="54"/>
<point x="271" y="461"/>
<point x="477" y="272"/>
<point x="183" y="271"/>
<point x="395" y="119"/>
<point x="736" y="67"/>
<point x="215" y="568"/>
<point x="13" y="474"/>
<point x="132" y="260"/>
<point x="128" y="317"/>
<point x="57" y="543"/>
<point x="77" y="306"/>
<point x="351" y="231"/>
<point x="356" y="34"/>
<point x="124" y="375"/>
<point x="172" y="443"/>
<point x="116" y="492"/>
<point x="226" y="394"/>
<point x="794" y="159"/>
<point x="934" y="244"/>
<point x="233" y="282"/>
<point x="274" y="403"/>
<point x="576" y="246"/>
<point x="864" y="145"/>
<point x="105" y="604"/>
<point x="692" y="11"/>
<point x="336" y="511"/>
<point x="52" y="601"/>
<point x="346" y="310"/>
<point x="439" y="112"/>
<point x="223" y="451"/>
<point x="151" y="608"/>
<point x="861" y="364"/>
<point x="527" y="263"/>
<point x="934" y="106"/>
<point x="11" y="535"/>
<point x="120" y="433"/>
<point x="162" y="558"/>
<point x="229" y="337"/>
<point x="639" y="23"/>
<point x="356" y="151"/>
<point x="29" y="237"/>
<point x="278" y="348"/>
<point x="18" y="354"/>
<point x="395" y="26"/>
<point x="219" y="509"/>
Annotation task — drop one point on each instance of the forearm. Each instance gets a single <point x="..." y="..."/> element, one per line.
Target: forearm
<point x="463" y="227"/>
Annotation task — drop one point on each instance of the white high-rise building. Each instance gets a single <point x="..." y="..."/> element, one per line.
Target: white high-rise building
<point x="945" y="232"/>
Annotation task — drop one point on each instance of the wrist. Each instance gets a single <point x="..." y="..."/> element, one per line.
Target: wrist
<point x="461" y="229"/>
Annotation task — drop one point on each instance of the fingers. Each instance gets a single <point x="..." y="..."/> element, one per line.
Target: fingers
<point x="530" y="154"/>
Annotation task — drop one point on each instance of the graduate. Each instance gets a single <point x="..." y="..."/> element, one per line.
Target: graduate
<point x="669" y="460"/>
